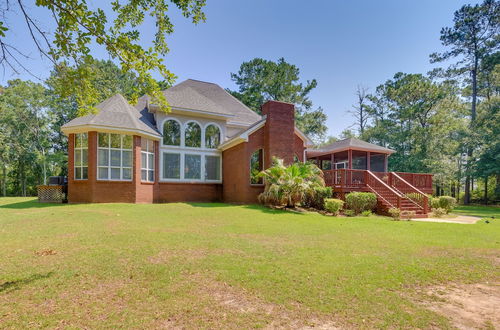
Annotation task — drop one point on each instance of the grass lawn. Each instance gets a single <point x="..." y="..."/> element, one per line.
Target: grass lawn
<point x="218" y="265"/>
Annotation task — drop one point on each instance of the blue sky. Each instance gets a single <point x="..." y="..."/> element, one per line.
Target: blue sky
<point x="340" y="43"/>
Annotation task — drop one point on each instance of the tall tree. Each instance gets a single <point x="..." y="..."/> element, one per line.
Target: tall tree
<point x="473" y="36"/>
<point x="360" y="110"/>
<point x="261" y="80"/>
<point x="78" y="27"/>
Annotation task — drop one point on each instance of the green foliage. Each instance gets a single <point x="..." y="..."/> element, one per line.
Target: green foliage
<point x="366" y="213"/>
<point x="447" y="203"/>
<point x="333" y="205"/>
<point x="262" y="80"/>
<point x="439" y="212"/>
<point x="434" y="202"/>
<point x="316" y="197"/>
<point x="395" y="213"/>
<point x="120" y="34"/>
<point x="361" y="201"/>
<point x="349" y="213"/>
<point x="287" y="185"/>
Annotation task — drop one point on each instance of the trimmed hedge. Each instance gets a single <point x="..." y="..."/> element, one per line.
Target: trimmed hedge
<point x="447" y="203"/>
<point x="361" y="201"/>
<point x="316" y="199"/>
<point x="333" y="205"/>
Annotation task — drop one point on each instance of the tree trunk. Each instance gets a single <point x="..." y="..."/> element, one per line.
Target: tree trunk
<point x="486" y="191"/>
<point x="473" y="119"/>
<point x="497" y="187"/>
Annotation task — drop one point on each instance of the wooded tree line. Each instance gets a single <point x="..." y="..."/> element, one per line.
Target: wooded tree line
<point x="446" y="122"/>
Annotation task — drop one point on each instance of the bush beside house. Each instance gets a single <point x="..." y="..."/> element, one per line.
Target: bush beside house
<point x="361" y="201"/>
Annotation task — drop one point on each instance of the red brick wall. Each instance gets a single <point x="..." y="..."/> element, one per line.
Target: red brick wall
<point x="279" y="135"/>
<point x="189" y="192"/>
<point x="299" y="147"/>
<point x="236" y="170"/>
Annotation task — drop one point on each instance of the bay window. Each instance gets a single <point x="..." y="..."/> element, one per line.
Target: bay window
<point x="81" y="156"/>
<point x="192" y="167"/>
<point x="114" y="157"/>
<point x="147" y="160"/>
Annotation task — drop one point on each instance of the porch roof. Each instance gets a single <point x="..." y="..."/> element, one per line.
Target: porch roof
<point x="346" y="144"/>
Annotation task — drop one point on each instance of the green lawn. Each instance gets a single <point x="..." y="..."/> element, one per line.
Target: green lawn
<point x="217" y="265"/>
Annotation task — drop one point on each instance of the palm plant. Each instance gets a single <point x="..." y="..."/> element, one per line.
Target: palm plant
<point x="287" y="185"/>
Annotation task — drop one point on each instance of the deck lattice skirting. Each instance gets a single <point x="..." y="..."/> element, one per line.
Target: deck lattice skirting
<point x="50" y="194"/>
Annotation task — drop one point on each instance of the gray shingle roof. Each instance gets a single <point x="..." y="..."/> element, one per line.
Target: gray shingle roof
<point x="206" y="96"/>
<point x="116" y="112"/>
<point x="350" y="143"/>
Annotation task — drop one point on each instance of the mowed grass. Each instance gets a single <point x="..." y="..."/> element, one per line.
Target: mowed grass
<point x="227" y="266"/>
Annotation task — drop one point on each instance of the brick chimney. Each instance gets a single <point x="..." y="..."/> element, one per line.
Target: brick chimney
<point x="279" y="133"/>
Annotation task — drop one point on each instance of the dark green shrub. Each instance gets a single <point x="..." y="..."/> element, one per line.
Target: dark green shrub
<point x="361" y="201"/>
<point x="349" y="213"/>
<point x="333" y="205"/>
<point x="316" y="198"/>
<point x="366" y="213"/>
<point x="447" y="203"/>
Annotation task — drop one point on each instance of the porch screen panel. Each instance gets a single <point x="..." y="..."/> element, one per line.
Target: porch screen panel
<point x="377" y="163"/>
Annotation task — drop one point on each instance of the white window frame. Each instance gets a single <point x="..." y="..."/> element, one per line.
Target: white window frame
<point x="81" y="166"/>
<point x="182" y="156"/>
<point x="204" y="132"/>
<point x="181" y="132"/>
<point x="202" y="137"/>
<point x="121" y="149"/>
<point x="148" y="152"/>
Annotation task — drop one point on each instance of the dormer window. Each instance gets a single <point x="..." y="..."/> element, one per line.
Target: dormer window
<point x="212" y="136"/>
<point x="192" y="135"/>
<point x="171" y="133"/>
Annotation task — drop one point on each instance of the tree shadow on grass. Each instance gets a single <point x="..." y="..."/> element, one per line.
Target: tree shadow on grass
<point x="30" y="205"/>
<point x="18" y="284"/>
<point x="256" y="207"/>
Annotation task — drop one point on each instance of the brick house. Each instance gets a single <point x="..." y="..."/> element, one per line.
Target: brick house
<point x="209" y="148"/>
<point x="206" y="149"/>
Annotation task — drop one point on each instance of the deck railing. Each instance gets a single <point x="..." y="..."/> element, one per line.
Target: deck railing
<point x="418" y="180"/>
<point x="409" y="191"/>
<point x="383" y="190"/>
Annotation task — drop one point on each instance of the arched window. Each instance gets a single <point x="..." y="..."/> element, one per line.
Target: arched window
<point x="212" y="136"/>
<point x="256" y="166"/>
<point x="171" y="133"/>
<point x="192" y="135"/>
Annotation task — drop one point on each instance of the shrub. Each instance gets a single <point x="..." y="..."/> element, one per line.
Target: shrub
<point x="316" y="197"/>
<point x="434" y="202"/>
<point x="349" y="213"/>
<point x="333" y="205"/>
<point x="395" y="213"/>
<point x="408" y="214"/>
<point x="438" y="212"/>
<point x="287" y="185"/>
<point x="361" y="201"/>
<point x="366" y="213"/>
<point x="447" y="203"/>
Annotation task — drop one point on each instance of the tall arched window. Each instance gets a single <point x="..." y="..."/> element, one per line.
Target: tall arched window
<point x="212" y="136"/>
<point x="171" y="133"/>
<point x="192" y="135"/>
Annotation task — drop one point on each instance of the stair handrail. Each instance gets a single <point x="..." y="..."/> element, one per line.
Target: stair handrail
<point x="415" y="190"/>
<point x="385" y="185"/>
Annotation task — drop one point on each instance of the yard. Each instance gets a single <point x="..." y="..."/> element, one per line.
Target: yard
<point x="218" y="265"/>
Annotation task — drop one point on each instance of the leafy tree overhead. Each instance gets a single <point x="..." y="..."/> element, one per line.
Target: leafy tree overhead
<point x="261" y="80"/>
<point x="78" y="27"/>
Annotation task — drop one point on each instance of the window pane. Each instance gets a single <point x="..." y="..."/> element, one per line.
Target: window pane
<point x="78" y="173"/>
<point x="127" y="142"/>
<point x="115" y="141"/>
<point x="151" y="161"/>
<point x="151" y="176"/>
<point x="193" y="135"/>
<point x="212" y="168"/>
<point x="212" y="136"/>
<point x="171" y="166"/>
<point x="115" y="173"/>
<point x="144" y="175"/>
<point x="102" y="173"/>
<point x="84" y="140"/>
<point x="172" y="133"/>
<point x="127" y="158"/>
<point x="144" y="157"/>
<point x="103" y="140"/>
<point x="115" y="158"/>
<point x="103" y="157"/>
<point x="192" y="167"/>
<point x="78" y="157"/>
<point x="256" y="166"/>
<point x="127" y="173"/>
<point x="85" y="157"/>
<point x="78" y="140"/>
<point x="85" y="173"/>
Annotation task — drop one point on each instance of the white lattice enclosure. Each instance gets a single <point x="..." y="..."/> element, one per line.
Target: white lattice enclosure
<point x="50" y="194"/>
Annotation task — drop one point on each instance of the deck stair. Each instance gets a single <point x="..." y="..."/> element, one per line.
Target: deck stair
<point x="397" y="193"/>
